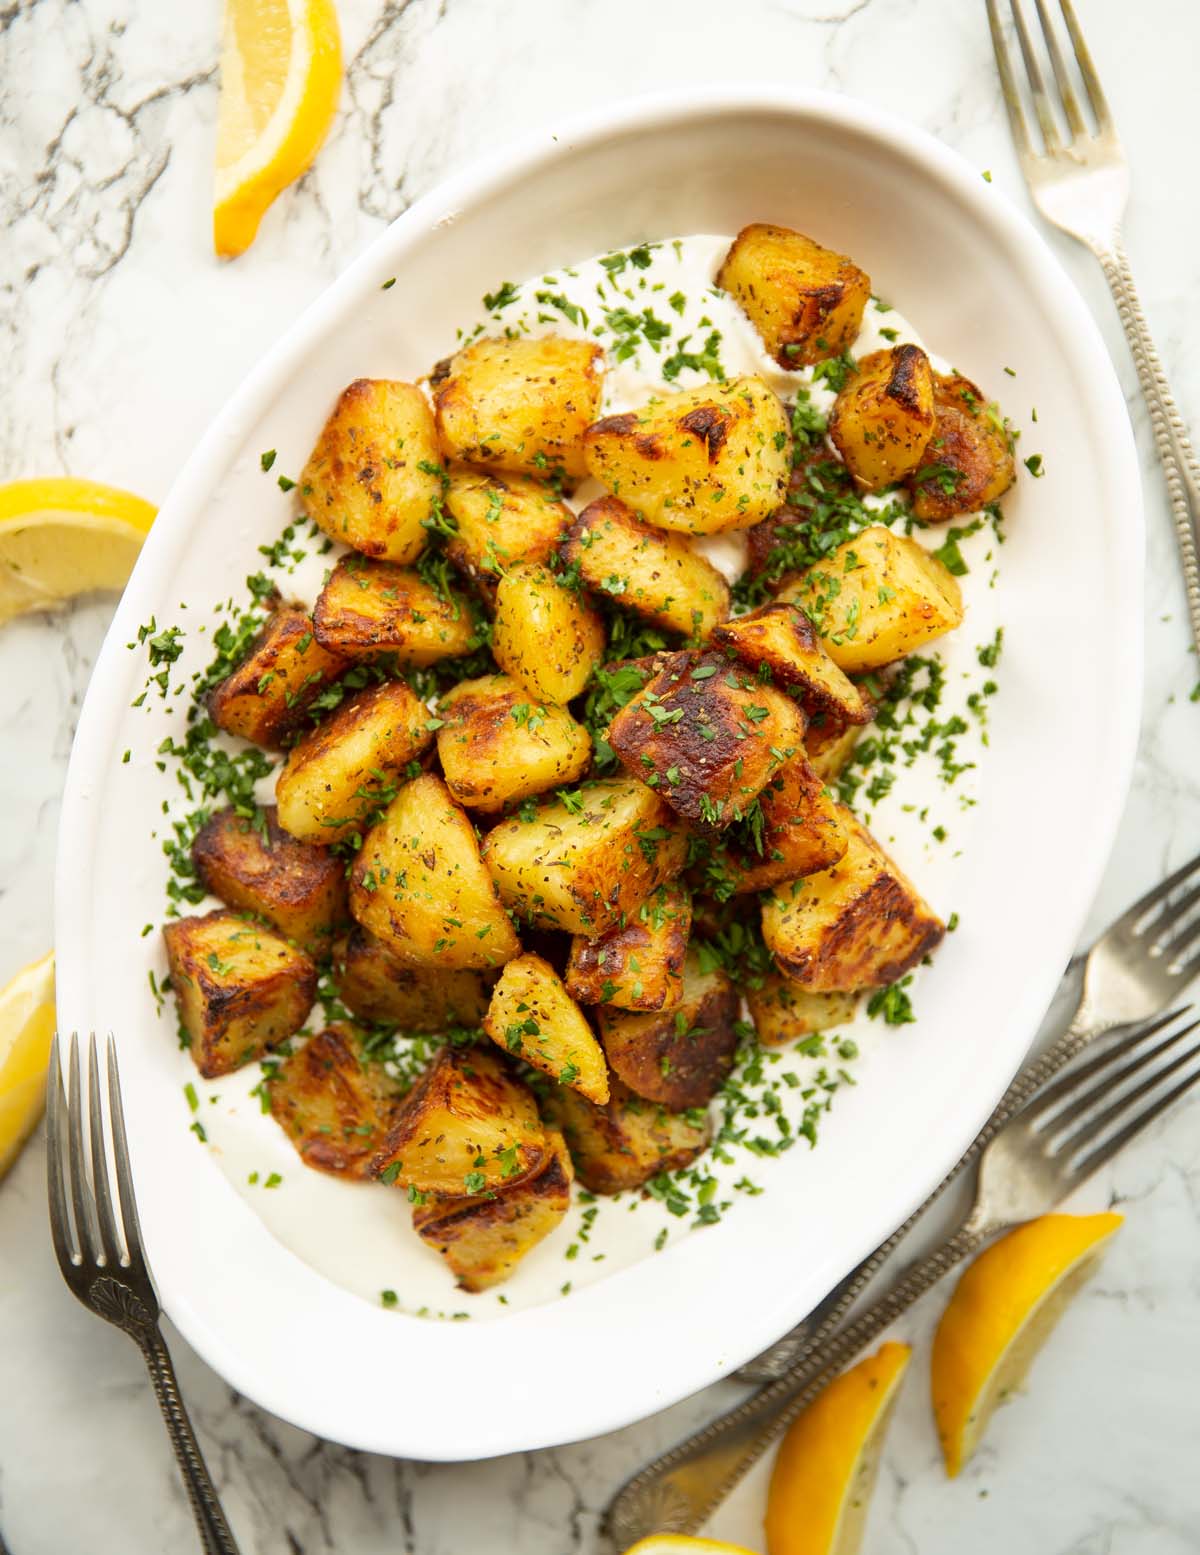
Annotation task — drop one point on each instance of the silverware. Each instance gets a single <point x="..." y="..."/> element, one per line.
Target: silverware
<point x="100" y="1253"/>
<point x="1080" y="182"/>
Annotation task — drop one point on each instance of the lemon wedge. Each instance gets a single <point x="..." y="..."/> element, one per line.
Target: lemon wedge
<point x="26" y="1029"/>
<point x="281" y="70"/>
<point x="684" y="1544"/>
<point x="61" y="537"/>
<point x="1000" y="1314"/>
<point x="825" y="1469"/>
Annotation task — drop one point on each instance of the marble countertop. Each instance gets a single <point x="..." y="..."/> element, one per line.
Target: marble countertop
<point x="123" y="335"/>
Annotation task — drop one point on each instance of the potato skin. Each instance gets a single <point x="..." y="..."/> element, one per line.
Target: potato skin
<point x="268" y="695"/>
<point x="520" y="404"/>
<point x="780" y="637"/>
<point x="374" y="478"/>
<point x="333" y="1105"/>
<point x="883" y="418"/>
<point x="968" y="461"/>
<point x="783" y="1012"/>
<point x="500" y="519"/>
<point x="638" y="963"/>
<point x="546" y="636"/>
<point x="300" y="890"/>
<point x="240" y="988"/>
<point x="701" y="461"/>
<point x="375" y="986"/>
<point x="626" y="1142"/>
<point x="802" y="831"/>
<point x="532" y="1016"/>
<point x="368" y="609"/>
<point x="805" y="301"/>
<point x="496" y="746"/>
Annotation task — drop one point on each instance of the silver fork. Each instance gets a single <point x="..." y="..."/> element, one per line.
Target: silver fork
<point x="1080" y="181"/>
<point x="100" y="1253"/>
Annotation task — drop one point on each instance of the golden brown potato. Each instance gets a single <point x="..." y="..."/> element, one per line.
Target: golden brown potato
<point x="877" y="598"/>
<point x="778" y="548"/>
<point x="586" y="861"/>
<point x="655" y="575"/>
<point x="799" y="831"/>
<point x="419" y="885"/>
<point x="533" y="1017"/>
<point x="375" y="986"/>
<point x="677" y="1058"/>
<point x="782" y="1012"/>
<point x="367" y="609"/>
<point x="337" y="776"/>
<point x="627" y="1142"/>
<point x="701" y="461"/>
<point x="882" y="418"/>
<point x="496" y="746"/>
<point x="968" y="461"/>
<point x="334" y="1104"/>
<point x="259" y="867"/>
<point x="520" y="404"/>
<point x="483" y="1238"/>
<point x="499" y="520"/>
<point x="638" y="963"/>
<point x="268" y="696"/>
<point x="375" y="476"/>
<point x="707" y="735"/>
<point x="544" y="634"/>
<point x="780" y="637"/>
<point x="805" y="301"/>
<point x="829" y="744"/>
<point x="858" y="925"/>
<point x="240" y="988"/>
<point x="467" y="1126"/>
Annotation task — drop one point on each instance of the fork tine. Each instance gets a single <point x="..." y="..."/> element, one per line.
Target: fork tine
<point x="116" y="1114"/>
<point x="1090" y="1127"/>
<point x="60" y="1215"/>
<point x="1108" y="1148"/>
<point x="1141" y="913"/>
<point x="1066" y="87"/>
<point x="81" y="1195"/>
<point x="1008" y="85"/>
<point x="1058" y="1090"/>
<point x="1170" y="935"/>
<point x="1041" y="100"/>
<point x="1087" y="69"/>
<point x="110" y="1236"/>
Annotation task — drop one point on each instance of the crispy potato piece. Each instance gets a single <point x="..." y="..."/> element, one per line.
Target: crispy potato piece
<point x="482" y="1239"/>
<point x="419" y="885"/>
<point x="877" y="598"/>
<point x="333" y="1104"/>
<point x="496" y="746"/>
<point x="637" y="964"/>
<point x="628" y="1141"/>
<point x="545" y="635"/>
<point x="367" y="609"/>
<point x="677" y="1058"/>
<point x="337" y="776"/>
<point x="374" y="477"/>
<point x="268" y="695"/>
<point x="968" y="461"/>
<point x="708" y="736"/>
<point x="801" y="831"/>
<point x="586" y="862"/>
<point x="534" y="1017"/>
<point x="776" y="549"/>
<point x="829" y="744"/>
<point x="783" y="1012"/>
<point x="782" y="637"/>
<point x="240" y="988"/>
<point x="805" y="301"/>
<point x="655" y="575"/>
<point x="374" y="985"/>
<point x="520" y="404"/>
<point x="701" y="461"/>
<point x="858" y="925"/>
<point x="499" y="520"/>
<point x="882" y="419"/>
<point x="468" y="1126"/>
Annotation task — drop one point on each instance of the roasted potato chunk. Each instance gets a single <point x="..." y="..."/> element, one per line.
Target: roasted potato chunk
<point x="657" y="576"/>
<point x="337" y="776"/>
<point x="638" y="963"/>
<point x="968" y="461"/>
<point x="707" y="736"/>
<point x="587" y="861"/>
<point x="333" y="1104"/>
<point x="499" y="520"/>
<point x="701" y="461"/>
<point x="496" y="746"/>
<point x="368" y="609"/>
<point x="780" y="637"/>
<point x="799" y="831"/>
<point x="240" y="988"/>
<point x="783" y="1012"/>
<point x="779" y="547"/>
<point x="375" y="986"/>
<point x="545" y="635"/>
<point x="468" y="1126"/>
<point x="883" y="419"/>
<point x="484" y="1238"/>
<point x="677" y="1058"/>
<point x="626" y="1142"/>
<point x="858" y="925"/>
<point x="259" y="867"/>
<point x="533" y="1017"/>
<point x="268" y="696"/>
<point x="375" y="477"/>
<point x="829" y="744"/>
<point x="419" y="885"/>
<point x="877" y="598"/>
<point x="805" y="301"/>
<point x="520" y="404"/>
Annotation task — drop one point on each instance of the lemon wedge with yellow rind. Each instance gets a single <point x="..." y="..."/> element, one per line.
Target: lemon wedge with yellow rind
<point x="684" y="1544"/>
<point x="26" y="1030"/>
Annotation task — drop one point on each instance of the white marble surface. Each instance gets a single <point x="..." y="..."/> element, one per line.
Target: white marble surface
<point x="122" y="335"/>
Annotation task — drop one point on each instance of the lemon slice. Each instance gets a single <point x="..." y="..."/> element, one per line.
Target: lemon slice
<point x="61" y="537"/>
<point x="1000" y="1314"/>
<point x="26" y="1028"/>
<point x="825" y="1469"/>
<point x="684" y="1544"/>
<point x="281" y="70"/>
